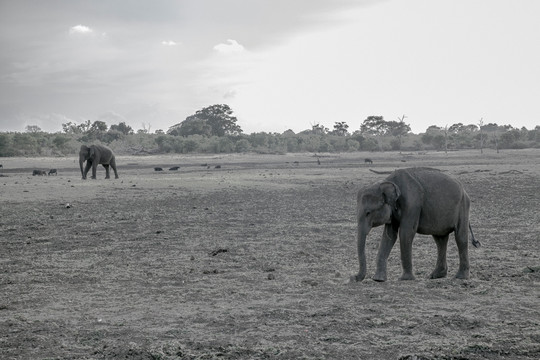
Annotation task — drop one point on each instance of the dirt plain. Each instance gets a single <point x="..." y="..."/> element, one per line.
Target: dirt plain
<point x="252" y="261"/>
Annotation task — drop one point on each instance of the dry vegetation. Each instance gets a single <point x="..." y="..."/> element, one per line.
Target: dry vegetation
<point x="252" y="261"/>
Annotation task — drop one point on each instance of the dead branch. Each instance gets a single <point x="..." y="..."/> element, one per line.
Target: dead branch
<point x="380" y="172"/>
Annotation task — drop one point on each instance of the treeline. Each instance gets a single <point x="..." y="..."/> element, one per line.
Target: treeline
<point x="214" y="130"/>
<point x="63" y="144"/>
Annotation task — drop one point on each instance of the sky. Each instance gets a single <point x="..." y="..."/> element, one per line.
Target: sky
<point x="279" y="64"/>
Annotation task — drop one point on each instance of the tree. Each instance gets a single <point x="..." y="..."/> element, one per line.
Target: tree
<point x="122" y="127"/>
<point x="85" y="126"/>
<point x="98" y="126"/>
<point x="398" y="129"/>
<point x="482" y="138"/>
<point x="71" y="128"/>
<point x="494" y="130"/>
<point x="376" y="126"/>
<point x="6" y="148"/>
<point x="319" y="129"/>
<point x="215" y="120"/>
<point x="191" y="126"/>
<point x="341" y="128"/>
<point x="33" y="129"/>
<point x="461" y="135"/>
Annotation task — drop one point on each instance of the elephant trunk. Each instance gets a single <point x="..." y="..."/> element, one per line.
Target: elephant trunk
<point x="362" y="235"/>
<point x="81" y="162"/>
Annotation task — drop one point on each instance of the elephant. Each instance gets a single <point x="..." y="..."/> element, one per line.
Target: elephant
<point x="410" y="201"/>
<point x="95" y="155"/>
<point x="368" y="161"/>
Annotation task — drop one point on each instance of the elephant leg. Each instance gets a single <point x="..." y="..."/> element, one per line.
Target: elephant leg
<point x="107" y="175"/>
<point x="462" y="240"/>
<point x="94" y="169"/>
<point x="387" y="243"/>
<point x="406" y="236"/>
<point x="86" y="169"/>
<point x="441" y="269"/>
<point x="113" y="165"/>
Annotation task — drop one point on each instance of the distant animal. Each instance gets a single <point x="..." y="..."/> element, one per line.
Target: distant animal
<point x="218" y="166"/>
<point x="39" y="173"/>
<point x="158" y="169"/>
<point x="409" y="201"/>
<point x="53" y="171"/>
<point x="368" y="161"/>
<point x="1" y="166"/>
<point x="95" y="155"/>
<point x="174" y="168"/>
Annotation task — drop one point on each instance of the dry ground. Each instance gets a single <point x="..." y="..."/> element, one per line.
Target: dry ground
<point x="252" y="261"/>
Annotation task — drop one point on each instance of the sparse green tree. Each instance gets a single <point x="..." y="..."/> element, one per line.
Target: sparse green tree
<point x="341" y="128"/>
<point x="375" y="126"/>
<point x="215" y="120"/>
<point x="122" y="128"/>
<point x="33" y="129"/>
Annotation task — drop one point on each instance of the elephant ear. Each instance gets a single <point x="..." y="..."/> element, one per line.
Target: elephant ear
<point x="390" y="192"/>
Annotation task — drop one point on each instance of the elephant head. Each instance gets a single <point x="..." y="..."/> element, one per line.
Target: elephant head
<point x="85" y="153"/>
<point x="376" y="204"/>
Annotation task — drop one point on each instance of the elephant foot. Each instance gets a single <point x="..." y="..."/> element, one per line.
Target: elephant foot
<point x="437" y="274"/>
<point x="407" y="276"/>
<point x="356" y="278"/>
<point x="379" y="277"/>
<point x="116" y="177"/>
<point x="462" y="275"/>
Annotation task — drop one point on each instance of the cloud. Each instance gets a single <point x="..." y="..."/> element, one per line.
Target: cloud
<point x="169" y="43"/>
<point x="80" y="29"/>
<point x="231" y="47"/>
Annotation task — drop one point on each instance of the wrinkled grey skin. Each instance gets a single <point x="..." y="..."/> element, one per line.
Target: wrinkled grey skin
<point x="410" y="201"/>
<point x="95" y="155"/>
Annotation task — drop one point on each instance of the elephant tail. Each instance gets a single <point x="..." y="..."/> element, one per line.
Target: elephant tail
<point x="475" y="242"/>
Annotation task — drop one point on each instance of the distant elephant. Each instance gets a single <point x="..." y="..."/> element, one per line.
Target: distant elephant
<point x="174" y="168"/>
<point x="95" y="155"/>
<point x="158" y="169"/>
<point x="368" y="161"/>
<point x="53" y="171"/>
<point x="410" y="201"/>
<point x="39" y="173"/>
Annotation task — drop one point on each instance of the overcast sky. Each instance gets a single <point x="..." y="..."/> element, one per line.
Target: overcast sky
<point x="279" y="64"/>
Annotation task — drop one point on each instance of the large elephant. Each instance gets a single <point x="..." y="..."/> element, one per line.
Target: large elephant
<point x="410" y="201"/>
<point x="94" y="155"/>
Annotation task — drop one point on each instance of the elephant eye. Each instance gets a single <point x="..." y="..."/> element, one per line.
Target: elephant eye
<point x="368" y="213"/>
